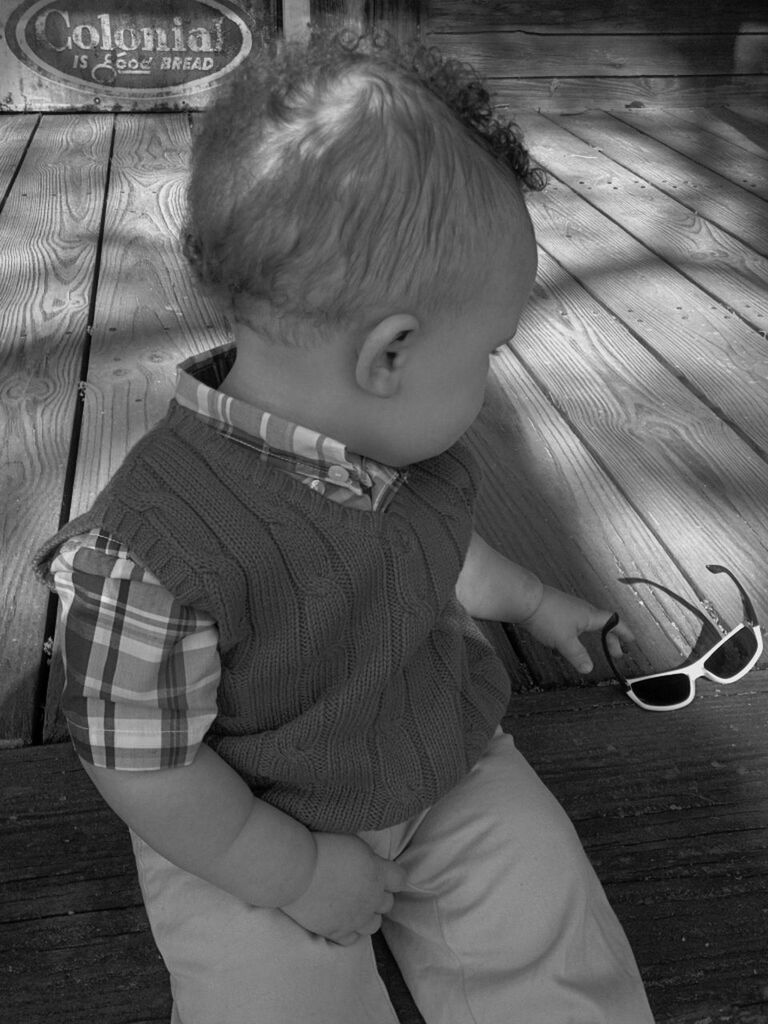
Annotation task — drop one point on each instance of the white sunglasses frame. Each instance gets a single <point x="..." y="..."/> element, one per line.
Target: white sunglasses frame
<point x="696" y="669"/>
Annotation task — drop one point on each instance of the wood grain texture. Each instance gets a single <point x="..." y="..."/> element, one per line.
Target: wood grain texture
<point x="597" y="17"/>
<point x="714" y="258"/>
<point x="720" y="357"/>
<point x="149" y="313"/>
<point x="74" y="936"/>
<point x="497" y="54"/>
<point x="732" y="161"/>
<point x="48" y="239"/>
<point x="729" y="206"/>
<point x="549" y="505"/>
<point x="663" y="92"/>
<point x="749" y="110"/>
<point x="15" y="135"/>
<point x="676" y="463"/>
<point x="741" y="129"/>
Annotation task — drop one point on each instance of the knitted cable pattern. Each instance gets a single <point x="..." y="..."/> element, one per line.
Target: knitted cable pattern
<point x="355" y="690"/>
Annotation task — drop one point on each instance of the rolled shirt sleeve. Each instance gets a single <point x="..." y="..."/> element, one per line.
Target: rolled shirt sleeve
<point x="141" y="669"/>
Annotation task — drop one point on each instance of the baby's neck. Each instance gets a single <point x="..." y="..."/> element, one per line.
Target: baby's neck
<point x="308" y="386"/>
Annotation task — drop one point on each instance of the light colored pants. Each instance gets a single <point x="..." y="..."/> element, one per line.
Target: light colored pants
<point x="504" y="922"/>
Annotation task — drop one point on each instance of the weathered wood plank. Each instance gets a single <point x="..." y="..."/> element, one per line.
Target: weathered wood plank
<point x="684" y="471"/>
<point x="742" y="130"/>
<point x="402" y="18"/>
<point x="719" y="356"/>
<point x="673" y="811"/>
<point x="597" y="17"/>
<point x="84" y="968"/>
<point x="751" y="110"/>
<point x="149" y="313"/>
<point x="48" y="242"/>
<point x="548" y="504"/>
<point x="497" y="54"/>
<point x="571" y="95"/>
<point x="738" y="165"/>
<point x="73" y="933"/>
<point x="715" y="259"/>
<point x="729" y="206"/>
<point x="15" y="135"/>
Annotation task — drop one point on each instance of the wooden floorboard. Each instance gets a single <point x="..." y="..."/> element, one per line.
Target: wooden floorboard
<point x="148" y="313"/>
<point x="728" y="205"/>
<point x="693" y="330"/>
<point x="15" y="136"/>
<point x="729" y="125"/>
<point x="691" y="476"/>
<point x="625" y="434"/>
<point x="584" y="532"/>
<point x="716" y="260"/>
<point x="673" y="811"/>
<point x="49" y="231"/>
<point x="733" y="161"/>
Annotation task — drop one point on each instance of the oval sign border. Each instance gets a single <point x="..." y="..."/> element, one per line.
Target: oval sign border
<point x="15" y="34"/>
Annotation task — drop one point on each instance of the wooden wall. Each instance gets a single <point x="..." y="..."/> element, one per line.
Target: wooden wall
<point x="569" y="55"/>
<point x="550" y="55"/>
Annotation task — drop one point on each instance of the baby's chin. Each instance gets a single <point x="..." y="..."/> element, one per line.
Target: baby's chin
<point x="400" y="457"/>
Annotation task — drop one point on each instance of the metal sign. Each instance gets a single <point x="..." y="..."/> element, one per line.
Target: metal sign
<point x="136" y="54"/>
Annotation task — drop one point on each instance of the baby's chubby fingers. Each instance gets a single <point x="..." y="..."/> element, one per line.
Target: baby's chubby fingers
<point x="576" y="653"/>
<point x="561" y="619"/>
<point x="395" y="879"/>
<point x="348" y="891"/>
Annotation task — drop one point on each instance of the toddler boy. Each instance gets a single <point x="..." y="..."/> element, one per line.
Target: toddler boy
<point x="273" y="673"/>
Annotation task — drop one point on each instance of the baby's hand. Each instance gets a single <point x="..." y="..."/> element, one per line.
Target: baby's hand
<point x="350" y="890"/>
<point x="561" y="618"/>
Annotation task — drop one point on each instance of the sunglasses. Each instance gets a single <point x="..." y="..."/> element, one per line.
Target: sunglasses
<point x="730" y="658"/>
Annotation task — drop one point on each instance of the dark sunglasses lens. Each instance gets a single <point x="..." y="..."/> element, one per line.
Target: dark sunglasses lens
<point x="663" y="691"/>
<point x="729" y="659"/>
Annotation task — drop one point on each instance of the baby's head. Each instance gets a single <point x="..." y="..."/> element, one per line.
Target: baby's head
<point x="340" y="176"/>
<point x="361" y="209"/>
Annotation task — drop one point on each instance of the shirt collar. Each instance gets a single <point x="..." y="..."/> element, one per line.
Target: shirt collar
<point x="321" y="462"/>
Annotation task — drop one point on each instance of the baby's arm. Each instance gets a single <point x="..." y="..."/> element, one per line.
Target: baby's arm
<point x="205" y="819"/>
<point x="490" y="586"/>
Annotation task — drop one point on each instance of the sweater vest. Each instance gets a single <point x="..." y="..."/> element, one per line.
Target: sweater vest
<point x="355" y="689"/>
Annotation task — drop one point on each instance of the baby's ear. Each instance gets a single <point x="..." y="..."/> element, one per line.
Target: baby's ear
<point x="384" y="353"/>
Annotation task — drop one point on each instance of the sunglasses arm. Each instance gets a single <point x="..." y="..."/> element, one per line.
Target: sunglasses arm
<point x="750" y="617"/>
<point x="617" y="673"/>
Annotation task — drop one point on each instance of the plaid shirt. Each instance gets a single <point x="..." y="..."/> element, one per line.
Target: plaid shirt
<point x="142" y="670"/>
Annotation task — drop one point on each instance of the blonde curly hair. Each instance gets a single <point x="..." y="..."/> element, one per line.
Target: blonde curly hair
<point x="346" y="174"/>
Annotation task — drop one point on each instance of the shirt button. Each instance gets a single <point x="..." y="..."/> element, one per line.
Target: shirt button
<point x="338" y="474"/>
